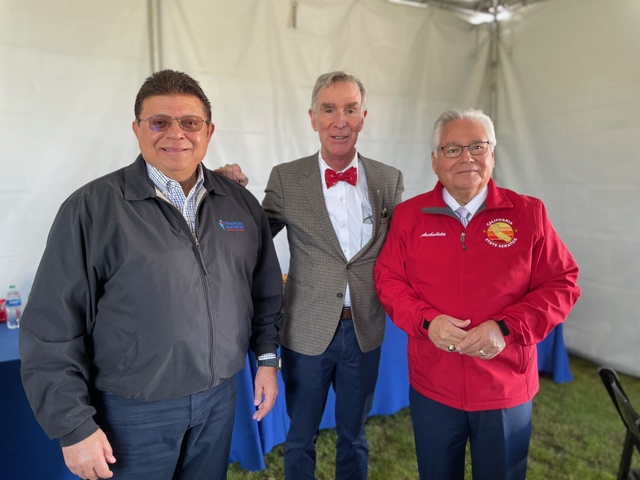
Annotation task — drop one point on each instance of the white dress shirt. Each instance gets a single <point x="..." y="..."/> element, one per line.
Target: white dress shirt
<point x="350" y="212"/>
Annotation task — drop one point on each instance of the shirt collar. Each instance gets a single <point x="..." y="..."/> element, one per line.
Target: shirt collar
<point x="473" y="205"/>
<point x="323" y="165"/>
<point x="163" y="183"/>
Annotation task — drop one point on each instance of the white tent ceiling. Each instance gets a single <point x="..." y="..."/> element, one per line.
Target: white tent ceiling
<point x="561" y="79"/>
<point x="474" y="11"/>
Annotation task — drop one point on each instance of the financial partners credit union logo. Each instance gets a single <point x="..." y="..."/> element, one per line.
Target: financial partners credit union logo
<point x="500" y="233"/>
<point x="228" y="226"/>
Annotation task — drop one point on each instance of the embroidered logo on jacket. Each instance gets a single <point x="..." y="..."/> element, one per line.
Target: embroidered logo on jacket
<point x="433" y="234"/>
<point x="500" y="233"/>
<point x="231" y="226"/>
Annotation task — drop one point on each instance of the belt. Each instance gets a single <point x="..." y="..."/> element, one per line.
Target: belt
<point x="346" y="313"/>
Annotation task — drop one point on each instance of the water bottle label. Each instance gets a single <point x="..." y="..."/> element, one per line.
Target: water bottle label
<point x="14" y="302"/>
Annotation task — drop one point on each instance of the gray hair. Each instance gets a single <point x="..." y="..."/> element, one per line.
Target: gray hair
<point x="328" y="79"/>
<point x="470" y="114"/>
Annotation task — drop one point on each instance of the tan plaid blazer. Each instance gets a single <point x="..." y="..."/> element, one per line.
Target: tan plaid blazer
<point x="318" y="270"/>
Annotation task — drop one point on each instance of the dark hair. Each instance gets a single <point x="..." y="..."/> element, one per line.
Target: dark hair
<point x="328" y="79"/>
<point x="170" y="82"/>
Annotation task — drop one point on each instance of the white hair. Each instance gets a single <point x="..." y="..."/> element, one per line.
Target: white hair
<point x="471" y="114"/>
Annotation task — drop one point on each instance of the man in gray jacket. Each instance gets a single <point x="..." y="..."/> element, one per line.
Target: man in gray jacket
<point x="155" y="281"/>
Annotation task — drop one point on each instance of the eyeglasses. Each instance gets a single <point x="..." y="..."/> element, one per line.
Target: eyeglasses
<point x="162" y="123"/>
<point x="454" y="151"/>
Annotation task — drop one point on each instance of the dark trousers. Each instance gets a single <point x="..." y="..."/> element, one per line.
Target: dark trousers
<point x="187" y="438"/>
<point x="353" y="375"/>
<point x="499" y="440"/>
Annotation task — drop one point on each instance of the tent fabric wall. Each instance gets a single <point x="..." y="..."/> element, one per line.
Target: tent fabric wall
<point x="568" y="87"/>
<point x="69" y="71"/>
<point x="567" y="133"/>
<point x="259" y="70"/>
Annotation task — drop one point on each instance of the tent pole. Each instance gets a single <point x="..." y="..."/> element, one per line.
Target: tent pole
<point x="155" y="40"/>
<point x="494" y="61"/>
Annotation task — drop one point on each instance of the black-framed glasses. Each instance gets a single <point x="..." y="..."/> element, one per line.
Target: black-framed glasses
<point x="454" y="151"/>
<point x="162" y="123"/>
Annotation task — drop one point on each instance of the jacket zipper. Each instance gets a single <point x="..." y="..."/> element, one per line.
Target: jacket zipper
<point x="462" y="237"/>
<point x="205" y="284"/>
<point x="203" y="278"/>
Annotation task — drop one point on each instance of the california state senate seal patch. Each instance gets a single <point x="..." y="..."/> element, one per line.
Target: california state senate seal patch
<point x="500" y="233"/>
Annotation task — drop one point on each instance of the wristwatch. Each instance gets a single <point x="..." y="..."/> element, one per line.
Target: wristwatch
<point x="271" y="362"/>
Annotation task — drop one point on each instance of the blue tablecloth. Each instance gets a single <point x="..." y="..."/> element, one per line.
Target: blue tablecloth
<point x="553" y="358"/>
<point x="26" y="453"/>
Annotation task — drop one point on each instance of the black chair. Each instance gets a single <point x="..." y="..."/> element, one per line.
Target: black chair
<point x="629" y="417"/>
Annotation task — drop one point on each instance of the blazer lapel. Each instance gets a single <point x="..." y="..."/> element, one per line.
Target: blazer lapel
<point x="376" y="195"/>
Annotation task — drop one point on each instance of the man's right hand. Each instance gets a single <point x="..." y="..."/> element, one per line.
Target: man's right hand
<point x="233" y="172"/>
<point x="446" y="331"/>
<point x="90" y="457"/>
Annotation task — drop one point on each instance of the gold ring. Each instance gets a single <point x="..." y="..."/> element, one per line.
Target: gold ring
<point x="451" y="348"/>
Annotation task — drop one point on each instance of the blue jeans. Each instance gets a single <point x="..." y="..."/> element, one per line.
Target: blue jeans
<point x="185" y="438"/>
<point x="353" y="375"/>
<point x="499" y="440"/>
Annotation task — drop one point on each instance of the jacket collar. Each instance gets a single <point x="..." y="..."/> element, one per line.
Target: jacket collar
<point x="138" y="186"/>
<point x="434" y="201"/>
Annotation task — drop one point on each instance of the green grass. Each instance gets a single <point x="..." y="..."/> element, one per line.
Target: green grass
<point x="577" y="434"/>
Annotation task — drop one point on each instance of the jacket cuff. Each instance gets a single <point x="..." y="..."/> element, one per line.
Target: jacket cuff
<point x="427" y="316"/>
<point x="509" y="338"/>
<point x="266" y="348"/>
<point x="503" y="328"/>
<point x="89" y="427"/>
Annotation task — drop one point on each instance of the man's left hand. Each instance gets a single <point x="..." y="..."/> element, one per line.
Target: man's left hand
<point x="266" y="391"/>
<point x="484" y="341"/>
<point x="233" y="172"/>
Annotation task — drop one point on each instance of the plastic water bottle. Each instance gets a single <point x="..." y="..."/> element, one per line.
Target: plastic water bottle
<point x="14" y="307"/>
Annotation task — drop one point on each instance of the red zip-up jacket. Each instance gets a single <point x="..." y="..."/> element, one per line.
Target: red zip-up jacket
<point x="508" y="264"/>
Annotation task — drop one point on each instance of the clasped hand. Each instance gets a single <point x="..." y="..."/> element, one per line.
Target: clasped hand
<point x="484" y="341"/>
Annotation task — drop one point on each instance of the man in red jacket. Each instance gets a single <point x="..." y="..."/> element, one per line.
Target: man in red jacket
<point x="476" y="276"/>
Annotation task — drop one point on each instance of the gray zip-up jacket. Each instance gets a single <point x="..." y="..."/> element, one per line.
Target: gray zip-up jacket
<point x="127" y="301"/>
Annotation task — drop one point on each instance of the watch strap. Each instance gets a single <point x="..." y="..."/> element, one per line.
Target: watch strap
<point x="271" y="362"/>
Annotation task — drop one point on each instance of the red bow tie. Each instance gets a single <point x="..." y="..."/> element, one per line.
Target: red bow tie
<point x="350" y="176"/>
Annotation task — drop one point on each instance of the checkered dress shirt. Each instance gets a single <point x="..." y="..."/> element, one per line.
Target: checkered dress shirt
<point x="173" y="192"/>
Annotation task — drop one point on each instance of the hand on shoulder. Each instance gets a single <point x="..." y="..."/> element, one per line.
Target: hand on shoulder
<point x="233" y="172"/>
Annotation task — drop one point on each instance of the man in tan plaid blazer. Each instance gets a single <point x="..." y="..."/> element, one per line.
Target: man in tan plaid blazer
<point x="336" y="206"/>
